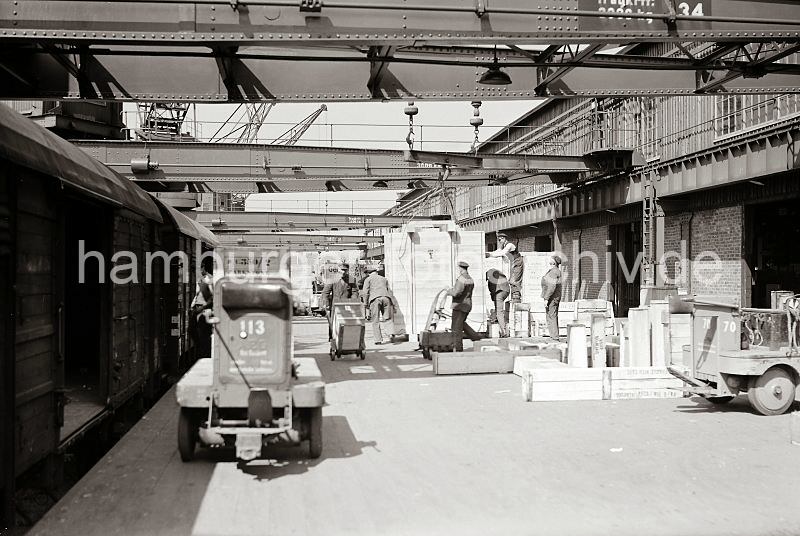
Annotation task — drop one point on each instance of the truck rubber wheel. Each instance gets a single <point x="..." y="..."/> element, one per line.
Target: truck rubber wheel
<point x="333" y="355"/>
<point x="187" y="434"/>
<point x="314" y="416"/>
<point x="772" y="393"/>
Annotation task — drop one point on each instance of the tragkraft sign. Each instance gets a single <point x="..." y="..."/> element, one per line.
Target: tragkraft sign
<point x="618" y="9"/>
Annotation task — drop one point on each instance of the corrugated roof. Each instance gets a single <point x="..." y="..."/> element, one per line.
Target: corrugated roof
<point x="27" y="144"/>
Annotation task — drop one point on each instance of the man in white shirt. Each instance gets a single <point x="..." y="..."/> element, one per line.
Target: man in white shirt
<point x="509" y="251"/>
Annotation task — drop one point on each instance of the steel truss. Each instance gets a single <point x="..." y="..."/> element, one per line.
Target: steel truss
<point x="276" y="223"/>
<point x="258" y="50"/>
<point x="239" y="168"/>
<point x="296" y="241"/>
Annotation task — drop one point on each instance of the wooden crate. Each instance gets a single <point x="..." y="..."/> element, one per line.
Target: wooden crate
<point x="422" y="261"/>
<point x="607" y="383"/>
<point x="679" y="327"/>
<point x="472" y="362"/>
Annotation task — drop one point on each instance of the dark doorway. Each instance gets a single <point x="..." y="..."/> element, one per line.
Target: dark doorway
<point x="87" y="229"/>
<point x="772" y="233"/>
<point x="543" y="243"/>
<point x="626" y="256"/>
<point x="7" y="391"/>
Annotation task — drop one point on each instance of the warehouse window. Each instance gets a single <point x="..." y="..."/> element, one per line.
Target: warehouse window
<point x="495" y="197"/>
<point x="734" y="114"/>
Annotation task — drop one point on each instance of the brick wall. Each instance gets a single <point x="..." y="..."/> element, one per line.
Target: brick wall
<point x="592" y="282"/>
<point x="676" y="232"/>
<point x="594" y="279"/>
<point x="718" y="231"/>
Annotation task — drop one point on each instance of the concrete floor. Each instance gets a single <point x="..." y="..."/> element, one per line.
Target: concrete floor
<point x="407" y="452"/>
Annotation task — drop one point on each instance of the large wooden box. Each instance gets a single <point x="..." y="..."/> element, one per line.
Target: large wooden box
<point x="421" y="261"/>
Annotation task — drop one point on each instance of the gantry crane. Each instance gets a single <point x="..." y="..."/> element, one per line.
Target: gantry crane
<point x="248" y="133"/>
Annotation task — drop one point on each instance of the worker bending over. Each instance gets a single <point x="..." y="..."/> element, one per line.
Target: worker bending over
<point x="499" y="290"/>
<point x="516" y="262"/>
<point x="336" y="290"/>
<point x="379" y="301"/>
<point x="462" y="305"/>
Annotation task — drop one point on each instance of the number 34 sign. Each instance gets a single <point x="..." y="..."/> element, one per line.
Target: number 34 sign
<point x="618" y="9"/>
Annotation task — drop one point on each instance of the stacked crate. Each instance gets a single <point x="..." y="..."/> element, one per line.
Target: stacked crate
<point x="422" y="259"/>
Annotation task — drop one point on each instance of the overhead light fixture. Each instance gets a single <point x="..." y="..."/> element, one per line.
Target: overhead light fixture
<point x="380" y="184"/>
<point x="498" y="181"/>
<point x="494" y="76"/>
<point x="757" y="183"/>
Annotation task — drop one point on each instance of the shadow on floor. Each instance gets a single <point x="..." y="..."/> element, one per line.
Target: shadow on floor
<point x="700" y="405"/>
<point x="338" y="442"/>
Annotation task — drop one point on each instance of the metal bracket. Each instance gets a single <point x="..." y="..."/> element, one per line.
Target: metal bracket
<point x="310" y="6"/>
<point x="480" y="7"/>
<point x="671" y="20"/>
<point x="234" y="4"/>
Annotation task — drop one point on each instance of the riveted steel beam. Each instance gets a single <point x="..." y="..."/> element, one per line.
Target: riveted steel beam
<point x="570" y="54"/>
<point x="380" y="22"/>
<point x="299" y="240"/>
<point x="228" y="74"/>
<point x="278" y="168"/>
<point x="264" y="222"/>
<point x="760" y="58"/>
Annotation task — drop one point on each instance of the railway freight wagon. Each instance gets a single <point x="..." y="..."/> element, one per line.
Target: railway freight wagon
<point x="76" y="346"/>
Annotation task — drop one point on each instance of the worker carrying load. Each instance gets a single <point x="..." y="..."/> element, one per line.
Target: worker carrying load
<point x="516" y="262"/>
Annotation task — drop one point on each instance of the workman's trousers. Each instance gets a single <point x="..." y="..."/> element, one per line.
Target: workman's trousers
<point x="500" y="312"/>
<point x="552" y="315"/>
<point x="203" y="330"/>
<point x="459" y="327"/>
<point x="377" y="307"/>
<point x="515" y="279"/>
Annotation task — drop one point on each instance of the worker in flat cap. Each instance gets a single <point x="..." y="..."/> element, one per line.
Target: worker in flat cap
<point x="336" y="290"/>
<point x="378" y="299"/>
<point x="507" y="249"/>
<point x="551" y="293"/>
<point x="462" y="305"/>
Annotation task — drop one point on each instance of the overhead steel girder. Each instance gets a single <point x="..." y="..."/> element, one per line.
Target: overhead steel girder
<point x="388" y="22"/>
<point x="274" y="168"/>
<point x="255" y="222"/>
<point x="300" y="240"/>
<point x="348" y="74"/>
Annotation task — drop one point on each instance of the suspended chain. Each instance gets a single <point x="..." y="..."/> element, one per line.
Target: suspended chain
<point x="410" y="111"/>
<point x="476" y="121"/>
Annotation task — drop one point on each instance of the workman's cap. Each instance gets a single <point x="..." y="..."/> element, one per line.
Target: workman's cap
<point x="463" y="264"/>
<point x="501" y="235"/>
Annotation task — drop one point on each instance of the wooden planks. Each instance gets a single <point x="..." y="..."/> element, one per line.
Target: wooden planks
<point x="679" y="327"/>
<point x="472" y="362"/>
<point x="607" y="383"/>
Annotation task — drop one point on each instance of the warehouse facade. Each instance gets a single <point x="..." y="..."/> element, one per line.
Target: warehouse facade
<point x="725" y="177"/>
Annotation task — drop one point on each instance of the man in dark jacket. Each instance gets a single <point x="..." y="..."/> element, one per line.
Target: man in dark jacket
<point x="334" y="291"/>
<point x="462" y="305"/>
<point x="499" y="290"/>
<point x="379" y="300"/>
<point x="551" y="293"/>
